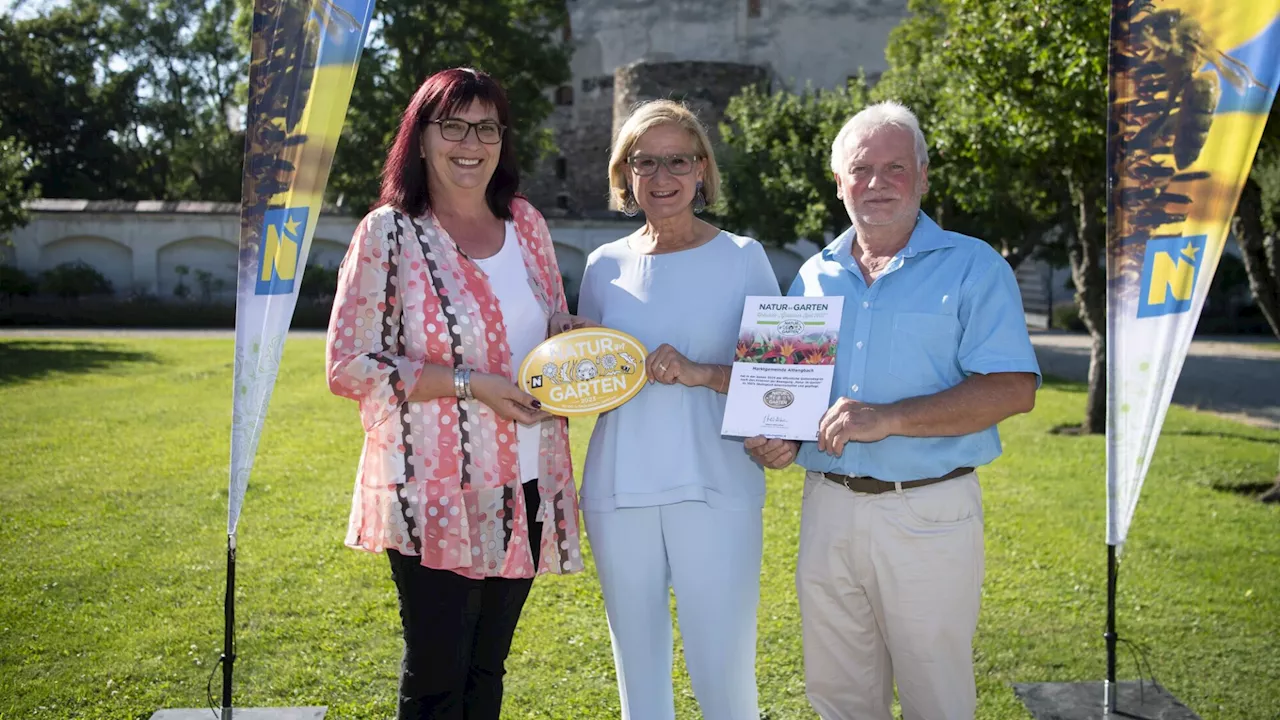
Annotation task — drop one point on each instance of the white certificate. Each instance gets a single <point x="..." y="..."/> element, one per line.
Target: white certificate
<point x="783" y="366"/>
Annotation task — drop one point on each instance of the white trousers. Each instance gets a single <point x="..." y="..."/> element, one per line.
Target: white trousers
<point x="889" y="588"/>
<point x="711" y="558"/>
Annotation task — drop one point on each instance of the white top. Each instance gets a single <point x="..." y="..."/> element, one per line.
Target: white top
<point x="664" y="445"/>
<point x="526" y="327"/>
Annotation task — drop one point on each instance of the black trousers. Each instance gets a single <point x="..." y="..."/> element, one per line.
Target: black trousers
<point x="457" y="634"/>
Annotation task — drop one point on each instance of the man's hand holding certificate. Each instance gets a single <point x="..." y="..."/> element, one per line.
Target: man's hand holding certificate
<point x="782" y="370"/>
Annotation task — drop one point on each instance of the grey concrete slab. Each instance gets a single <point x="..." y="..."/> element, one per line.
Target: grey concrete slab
<point x="276" y="713"/>
<point x="1083" y="701"/>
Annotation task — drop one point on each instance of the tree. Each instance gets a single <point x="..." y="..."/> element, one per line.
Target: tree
<point x="1257" y="223"/>
<point x="190" y="67"/>
<point x="144" y="99"/>
<point x="411" y="40"/>
<point x="1014" y="96"/>
<point x="65" y="107"/>
<point x="978" y="187"/>
<point x="15" y="165"/>
<point x="776" y="162"/>
<point x="126" y="99"/>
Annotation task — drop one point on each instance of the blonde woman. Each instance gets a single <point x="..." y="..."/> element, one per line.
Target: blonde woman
<point x="666" y="501"/>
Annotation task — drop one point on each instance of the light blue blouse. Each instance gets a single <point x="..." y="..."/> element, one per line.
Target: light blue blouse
<point x="664" y="445"/>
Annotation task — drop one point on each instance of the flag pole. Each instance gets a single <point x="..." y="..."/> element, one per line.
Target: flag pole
<point x="229" y="628"/>
<point x="1109" y="687"/>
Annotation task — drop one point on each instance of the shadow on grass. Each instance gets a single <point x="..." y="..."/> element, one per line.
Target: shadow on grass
<point x="1074" y="430"/>
<point x="25" y="360"/>
<point x="1224" y="436"/>
<point x="1250" y="490"/>
<point x="1070" y="430"/>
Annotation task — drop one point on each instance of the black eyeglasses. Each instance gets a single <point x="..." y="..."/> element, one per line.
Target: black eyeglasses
<point x="678" y="164"/>
<point x="455" y="130"/>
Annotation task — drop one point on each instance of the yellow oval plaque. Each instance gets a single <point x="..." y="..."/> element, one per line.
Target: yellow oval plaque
<point x="584" y="371"/>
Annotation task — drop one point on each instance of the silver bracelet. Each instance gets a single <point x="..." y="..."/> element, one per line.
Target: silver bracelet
<point x="466" y="385"/>
<point x="459" y="383"/>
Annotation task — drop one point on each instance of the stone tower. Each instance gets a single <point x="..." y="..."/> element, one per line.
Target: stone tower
<point x="705" y="87"/>
<point x="695" y="50"/>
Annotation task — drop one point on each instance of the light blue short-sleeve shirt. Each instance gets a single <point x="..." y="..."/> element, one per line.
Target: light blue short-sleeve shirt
<point x="947" y="306"/>
<point x="664" y="445"/>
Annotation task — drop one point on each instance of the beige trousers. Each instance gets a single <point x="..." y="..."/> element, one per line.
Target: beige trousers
<point x="889" y="589"/>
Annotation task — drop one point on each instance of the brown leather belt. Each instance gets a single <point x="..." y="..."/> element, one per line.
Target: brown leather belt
<point x="873" y="486"/>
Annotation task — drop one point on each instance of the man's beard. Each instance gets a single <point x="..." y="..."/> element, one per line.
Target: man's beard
<point x="907" y="210"/>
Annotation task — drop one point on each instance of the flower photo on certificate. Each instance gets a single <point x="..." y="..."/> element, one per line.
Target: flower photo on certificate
<point x="783" y="365"/>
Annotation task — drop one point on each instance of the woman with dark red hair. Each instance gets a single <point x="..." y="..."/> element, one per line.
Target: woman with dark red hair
<point x="463" y="481"/>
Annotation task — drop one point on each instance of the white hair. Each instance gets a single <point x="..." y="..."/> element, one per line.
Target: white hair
<point x="871" y="119"/>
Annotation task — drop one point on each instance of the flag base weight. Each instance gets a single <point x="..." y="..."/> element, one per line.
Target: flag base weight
<point x="276" y="713"/>
<point x="1084" y="701"/>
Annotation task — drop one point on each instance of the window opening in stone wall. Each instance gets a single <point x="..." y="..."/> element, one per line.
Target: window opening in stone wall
<point x="564" y="95"/>
<point x="602" y="82"/>
<point x="562" y="201"/>
<point x="753" y="8"/>
<point x="562" y="168"/>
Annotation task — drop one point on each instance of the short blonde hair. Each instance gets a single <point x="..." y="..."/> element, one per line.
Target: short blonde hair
<point x="645" y="117"/>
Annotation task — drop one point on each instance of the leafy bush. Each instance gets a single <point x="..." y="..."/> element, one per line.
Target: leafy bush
<point x="181" y="290"/>
<point x="319" y="282"/>
<point x="72" y="280"/>
<point x="15" y="282"/>
<point x="776" y="161"/>
<point x="1067" y="317"/>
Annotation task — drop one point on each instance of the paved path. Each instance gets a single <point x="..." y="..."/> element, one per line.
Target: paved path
<point x="1237" y="379"/>
<point x="1229" y="377"/>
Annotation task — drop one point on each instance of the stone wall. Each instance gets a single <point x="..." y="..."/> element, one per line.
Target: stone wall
<point x="574" y="181"/>
<point x="705" y="87"/>
<point x="821" y="42"/>
<point x="793" y="42"/>
<point x="543" y="186"/>
<point x="138" y="246"/>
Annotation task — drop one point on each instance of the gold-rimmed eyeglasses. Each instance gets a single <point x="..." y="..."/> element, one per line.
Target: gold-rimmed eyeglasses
<point x="677" y="164"/>
<point x="455" y="130"/>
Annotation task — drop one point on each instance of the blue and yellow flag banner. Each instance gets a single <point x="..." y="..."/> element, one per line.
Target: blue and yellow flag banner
<point x="1192" y="82"/>
<point x="302" y="68"/>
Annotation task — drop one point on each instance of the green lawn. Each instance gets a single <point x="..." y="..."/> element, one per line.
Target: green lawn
<point x="112" y="537"/>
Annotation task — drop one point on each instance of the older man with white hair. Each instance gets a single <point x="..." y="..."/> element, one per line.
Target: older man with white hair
<point x="933" y="353"/>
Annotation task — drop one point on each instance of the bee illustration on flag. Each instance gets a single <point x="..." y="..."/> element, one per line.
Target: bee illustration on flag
<point x="1192" y="83"/>
<point x="1166" y="97"/>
